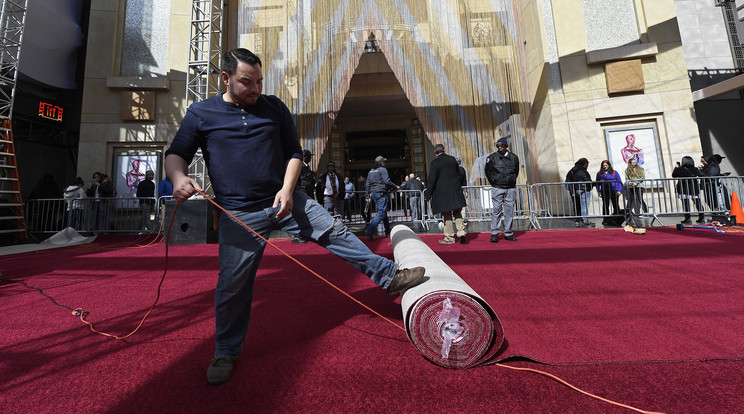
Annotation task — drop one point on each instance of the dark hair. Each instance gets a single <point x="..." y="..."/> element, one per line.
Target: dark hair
<point x="582" y="161"/>
<point x="231" y="57"/>
<point x="609" y="166"/>
<point x="687" y="161"/>
<point x="79" y="181"/>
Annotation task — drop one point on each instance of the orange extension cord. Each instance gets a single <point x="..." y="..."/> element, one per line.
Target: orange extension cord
<point x="82" y="314"/>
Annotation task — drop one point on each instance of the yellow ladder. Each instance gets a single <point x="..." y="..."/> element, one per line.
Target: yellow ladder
<point x="12" y="219"/>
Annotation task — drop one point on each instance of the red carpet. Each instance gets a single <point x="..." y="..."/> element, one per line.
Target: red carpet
<point x="653" y="321"/>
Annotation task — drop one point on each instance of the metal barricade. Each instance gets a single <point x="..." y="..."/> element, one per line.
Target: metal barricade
<point x="650" y="199"/>
<point x="480" y="205"/>
<point x="353" y="208"/>
<point x="573" y="201"/>
<point x="92" y="215"/>
<point x="680" y="196"/>
<point x="400" y="208"/>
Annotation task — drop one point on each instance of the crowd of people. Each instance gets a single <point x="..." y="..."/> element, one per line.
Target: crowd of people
<point x="345" y="197"/>
<point x="694" y="180"/>
<point x="699" y="186"/>
<point x="89" y="207"/>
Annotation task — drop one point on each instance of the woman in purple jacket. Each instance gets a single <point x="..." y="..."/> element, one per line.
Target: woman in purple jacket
<point x="609" y="187"/>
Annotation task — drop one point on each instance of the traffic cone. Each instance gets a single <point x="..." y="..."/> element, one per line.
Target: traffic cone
<point x="736" y="209"/>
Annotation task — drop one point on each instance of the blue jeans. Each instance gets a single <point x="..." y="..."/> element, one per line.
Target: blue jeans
<point x="381" y="201"/>
<point x="586" y="198"/>
<point x="241" y="252"/>
<point x="502" y="200"/>
<point x="415" y="208"/>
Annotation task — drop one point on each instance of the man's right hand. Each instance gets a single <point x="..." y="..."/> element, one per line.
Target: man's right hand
<point x="184" y="187"/>
<point x="176" y="169"/>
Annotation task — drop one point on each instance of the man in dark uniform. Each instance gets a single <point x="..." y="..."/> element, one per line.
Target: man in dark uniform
<point x="306" y="182"/>
<point x="502" y="168"/>
<point x="307" y="176"/>
<point x="445" y="192"/>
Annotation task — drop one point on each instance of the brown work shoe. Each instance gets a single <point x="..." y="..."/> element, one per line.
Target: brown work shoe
<point x="405" y="278"/>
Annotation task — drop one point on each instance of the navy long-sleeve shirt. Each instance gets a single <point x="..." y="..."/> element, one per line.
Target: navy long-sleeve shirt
<point x="246" y="149"/>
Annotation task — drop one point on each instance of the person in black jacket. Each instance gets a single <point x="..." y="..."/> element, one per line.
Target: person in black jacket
<point x="306" y="182"/>
<point x="101" y="187"/>
<point x="307" y="176"/>
<point x="329" y="190"/>
<point x="146" y="198"/>
<point x="579" y="185"/>
<point x="445" y="192"/>
<point x="502" y="168"/>
<point x="414" y="184"/>
<point x="711" y="184"/>
<point x="689" y="188"/>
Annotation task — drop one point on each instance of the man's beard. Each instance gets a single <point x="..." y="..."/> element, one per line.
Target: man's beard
<point x="239" y="101"/>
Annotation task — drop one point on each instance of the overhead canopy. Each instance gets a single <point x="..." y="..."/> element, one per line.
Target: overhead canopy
<point x="720" y="88"/>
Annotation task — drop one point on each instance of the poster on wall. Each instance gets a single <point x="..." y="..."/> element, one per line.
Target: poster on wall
<point x="130" y="168"/>
<point x="641" y="143"/>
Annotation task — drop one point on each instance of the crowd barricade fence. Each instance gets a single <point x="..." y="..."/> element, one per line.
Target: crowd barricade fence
<point x="480" y="206"/>
<point x="92" y="215"/>
<point x="400" y="208"/>
<point x="657" y="198"/>
<point x="641" y="202"/>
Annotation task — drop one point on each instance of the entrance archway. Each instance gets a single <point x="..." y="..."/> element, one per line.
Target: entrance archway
<point x="375" y="119"/>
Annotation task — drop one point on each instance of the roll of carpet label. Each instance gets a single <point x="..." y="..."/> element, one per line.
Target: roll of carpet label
<point x="428" y="309"/>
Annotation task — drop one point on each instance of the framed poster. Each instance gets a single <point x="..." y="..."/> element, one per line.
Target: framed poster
<point x="130" y="167"/>
<point x="639" y="142"/>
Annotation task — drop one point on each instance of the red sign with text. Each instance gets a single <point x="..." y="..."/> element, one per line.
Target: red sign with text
<point x="49" y="111"/>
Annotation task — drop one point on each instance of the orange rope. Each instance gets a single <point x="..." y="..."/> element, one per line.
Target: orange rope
<point x="82" y="313"/>
<point x="577" y="389"/>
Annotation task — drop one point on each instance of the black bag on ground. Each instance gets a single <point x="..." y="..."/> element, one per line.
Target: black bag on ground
<point x="616" y="221"/>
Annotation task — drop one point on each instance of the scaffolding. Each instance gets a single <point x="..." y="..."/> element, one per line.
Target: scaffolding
<point x="203" y="75"/>
<point x="12" y="21"/>
<point x="205" y="50"/>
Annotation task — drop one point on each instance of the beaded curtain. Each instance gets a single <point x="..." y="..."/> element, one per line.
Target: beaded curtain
<point x="459" y="62"/>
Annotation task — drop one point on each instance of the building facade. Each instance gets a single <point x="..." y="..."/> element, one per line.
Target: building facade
<point x="561" y="79"/>
<point x="712" y="33"/>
